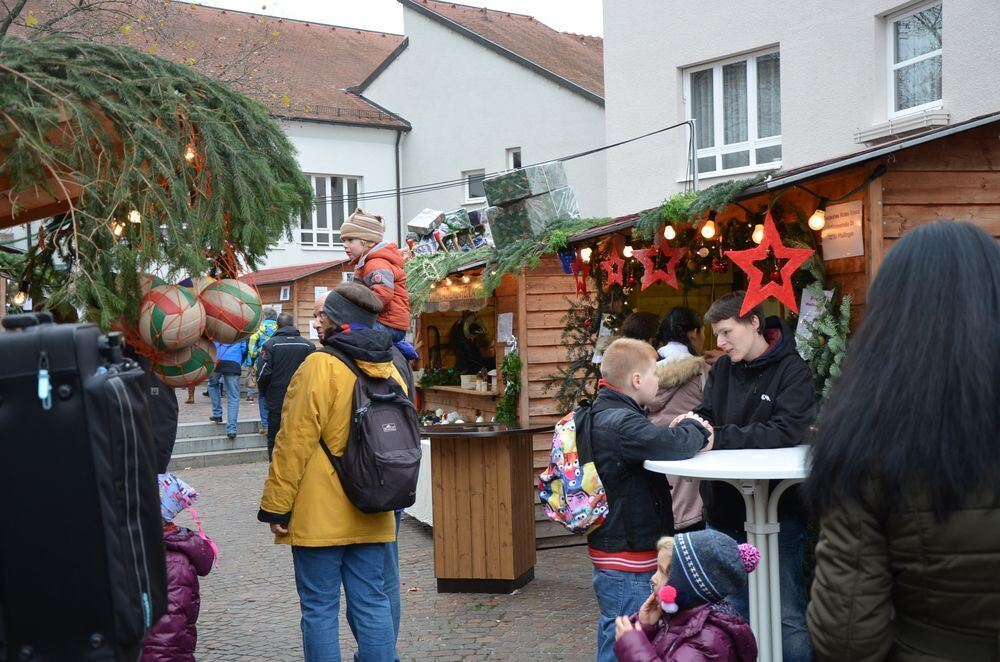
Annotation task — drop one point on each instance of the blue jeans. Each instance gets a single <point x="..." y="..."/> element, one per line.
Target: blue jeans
<point x="397" y="334"/>
<point x="232" y="383"/>
<point x="618" y="594"/>
<point x="795" y="643"/>
<point x="262" y="408"/>
<point x="390" y="584"/>
<point x="319" y="572"/>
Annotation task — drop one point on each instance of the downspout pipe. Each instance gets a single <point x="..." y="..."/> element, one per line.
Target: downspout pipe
<point x="399" y="200"/>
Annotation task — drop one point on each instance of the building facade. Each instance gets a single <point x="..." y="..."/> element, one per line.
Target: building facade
<point x="783" y="84"/>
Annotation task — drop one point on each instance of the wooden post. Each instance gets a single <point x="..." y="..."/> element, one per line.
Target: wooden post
<point x="876" y="230"/>
<point x="522" y="347"/>
<point x="3" y="297"/>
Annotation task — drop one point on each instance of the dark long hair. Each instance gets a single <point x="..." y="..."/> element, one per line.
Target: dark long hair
<point x="675" y="326"/>
<point x="916" y="406"/>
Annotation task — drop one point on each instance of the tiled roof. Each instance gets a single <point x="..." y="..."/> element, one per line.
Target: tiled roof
<point x="576" y="59"/>
<point x="298" y="69"/>
<point x="290" y="273"/>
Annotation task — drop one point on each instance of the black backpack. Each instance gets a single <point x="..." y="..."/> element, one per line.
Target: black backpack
<point x="379" y="467"/>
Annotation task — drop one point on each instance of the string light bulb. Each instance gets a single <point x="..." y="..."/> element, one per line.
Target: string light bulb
<point x="818" y="219"/>
<point x="466" y="279"/>
<point x="189" y="154"/>
<point x="134" y="216"/>
<point x="669" y="233"/>
<point x="585" y="254"/>
<point x="758" y="233"/>
<point x="19" y="298"/>
<point x="708" y="228"/>
<point x="447" y="281"/>
<point x="627" y="251"/>
<point x="434" y="286"/>
<point x="117" y="229"/>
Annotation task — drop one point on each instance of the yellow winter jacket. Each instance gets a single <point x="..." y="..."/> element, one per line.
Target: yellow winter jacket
<point x="302" y="487"/>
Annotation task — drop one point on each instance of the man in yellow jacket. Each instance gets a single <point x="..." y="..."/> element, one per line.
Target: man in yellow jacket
<point x="333" y="542"/>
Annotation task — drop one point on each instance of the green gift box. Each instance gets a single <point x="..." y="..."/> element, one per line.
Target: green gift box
<point x="458" y="220"/>
<point x="528" y="217"/>
<point x="509" y="187"/>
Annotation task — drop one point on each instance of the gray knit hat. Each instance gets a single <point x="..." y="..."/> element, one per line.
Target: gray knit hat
<point x="342" y="310"/>
<point x="708" y="566"/>
<point x="363" y="225"/>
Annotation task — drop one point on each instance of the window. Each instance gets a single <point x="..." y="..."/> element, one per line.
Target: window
<point x="286" y="293"/>
<point x="915" y="51"/>
<point x="513" y="158"/>
<point x="474" y="185"/>
<point x="335" y="199"/>
<point x="736" y="105"/>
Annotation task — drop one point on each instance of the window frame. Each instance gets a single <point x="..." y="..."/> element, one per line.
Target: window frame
<point x="469" y="199"/>
<point x="285" y="293"/>
<point x="892" y="66"/>
<point x="752" y="143"/>
<point x="335" y="241"/>
<point x="511" y="151"/>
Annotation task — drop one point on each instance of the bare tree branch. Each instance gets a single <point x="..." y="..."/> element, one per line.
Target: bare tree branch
<point x="11" y="15"/>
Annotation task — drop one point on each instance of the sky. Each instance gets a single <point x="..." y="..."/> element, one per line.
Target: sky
<point x="581" y="16"/>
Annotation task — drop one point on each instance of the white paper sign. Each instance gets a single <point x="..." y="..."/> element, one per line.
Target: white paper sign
<point x="505" y="327"/>
<point x="347" y="276"/>
<point x="604" y="332"/>
<point x="809" y="310"/>
<point x="277" y="307"/>
<point x="318" y="291"/>
<point x="842" y="236"/>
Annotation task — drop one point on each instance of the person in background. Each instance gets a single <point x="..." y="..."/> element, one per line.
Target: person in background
<point x="641" y="326"/>
<point x="279" y="358"/>
<point x="905" y="467"/>
<point x="227" y="372"/>
<point x="255" y="344"/>
<point x="623" y="548"/>
<point x="682" y="373"/>
<point x="760" y="395"/>
<point x="378" y="265"/>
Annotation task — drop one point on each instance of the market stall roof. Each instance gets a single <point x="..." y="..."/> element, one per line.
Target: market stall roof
<point x="290" y="273"/>
<point x="812" y="170"/>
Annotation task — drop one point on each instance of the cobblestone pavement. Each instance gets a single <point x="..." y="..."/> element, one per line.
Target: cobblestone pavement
<point x="250" y="610"/>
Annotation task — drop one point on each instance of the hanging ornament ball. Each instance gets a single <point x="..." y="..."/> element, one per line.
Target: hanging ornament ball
<point x="232" y="310"/>
<point x="148" y="282"/>
<point x="586" y="323"/>
<point x="692" y="265"/>
<point x="199" y="283"/>
<point x="703" y="251"/>
<point x="170" y="317"/>
<point x="187" y="366"/>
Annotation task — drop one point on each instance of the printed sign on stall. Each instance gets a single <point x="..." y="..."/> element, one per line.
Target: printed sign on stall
<point x="842" y="235"/>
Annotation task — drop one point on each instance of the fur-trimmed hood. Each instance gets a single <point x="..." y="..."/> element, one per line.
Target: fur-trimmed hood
<point x="675" y="373"/>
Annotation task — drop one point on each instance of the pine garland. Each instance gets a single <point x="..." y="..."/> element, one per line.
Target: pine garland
<point x="510" y="368"/>
<point x="118" y="123"/>
<point x="824" y="346"/>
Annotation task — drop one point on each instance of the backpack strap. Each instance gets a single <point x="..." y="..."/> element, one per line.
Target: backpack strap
<point x="583" y="418"/>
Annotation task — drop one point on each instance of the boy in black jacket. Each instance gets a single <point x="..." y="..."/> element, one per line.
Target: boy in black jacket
<point x="623" y="548"/>
<point x="760" y="395"/>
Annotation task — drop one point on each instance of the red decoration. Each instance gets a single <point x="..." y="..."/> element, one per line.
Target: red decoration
<point x="781" y="286"/>
<point x="614" y="267"/>
<point x="580" y="273"/>
<point x="668" y="274"/>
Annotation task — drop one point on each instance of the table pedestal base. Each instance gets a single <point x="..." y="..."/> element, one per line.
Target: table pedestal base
<point x="504" y="586"/>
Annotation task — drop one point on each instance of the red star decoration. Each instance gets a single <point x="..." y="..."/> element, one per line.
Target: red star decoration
<point x="614" y="267"/>
<point x="668" y="274"/>
<point x="781" y="287"/>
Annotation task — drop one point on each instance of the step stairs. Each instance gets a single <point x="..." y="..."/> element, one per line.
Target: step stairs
<point x="206" y="445"/>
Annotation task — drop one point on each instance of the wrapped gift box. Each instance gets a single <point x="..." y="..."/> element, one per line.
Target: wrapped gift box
<point x="424" y="222"/>
<point x="514" y="185"/>
<point x="457" y="220"/>
<point x="528" y="217"/>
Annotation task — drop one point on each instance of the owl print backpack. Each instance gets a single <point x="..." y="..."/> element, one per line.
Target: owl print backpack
<point x="570" y="488"/>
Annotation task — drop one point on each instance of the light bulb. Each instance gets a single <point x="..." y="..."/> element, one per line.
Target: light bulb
<point x="117" y="229"/>
<point x="708" y="229"/>
<point x="627" y="251"/>
<point x="19" y="298"/>
<point x="758" y="234"/>
<point x="818" y="220"/>
<point x="669" y="233"/>
<point x="134" y="216"/>
<point x="466" y="279"/>
<point x="434" y="286"/>
<point x="189" y="154"/>
<point x="585" y="254"/>
<point x="447" y="281"/>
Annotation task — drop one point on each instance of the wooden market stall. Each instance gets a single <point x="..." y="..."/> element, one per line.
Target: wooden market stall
<point x="294" y="289"/>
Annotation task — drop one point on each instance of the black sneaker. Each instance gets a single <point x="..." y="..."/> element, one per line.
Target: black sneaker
<point x="215" y="419"/>
<point x="232" y="436"/>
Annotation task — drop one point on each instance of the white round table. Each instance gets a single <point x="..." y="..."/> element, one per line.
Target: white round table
<point x="750" y="471"/>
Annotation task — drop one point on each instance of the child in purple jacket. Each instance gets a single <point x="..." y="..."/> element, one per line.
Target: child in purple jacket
<point x="686" y="617"/>
<point x="190" y="554"/>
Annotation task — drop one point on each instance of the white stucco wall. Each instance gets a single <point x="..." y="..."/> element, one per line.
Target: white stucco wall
<point x="468" y="105"/>
<point x="833" y="76"/>
<point x="333" y="149"/>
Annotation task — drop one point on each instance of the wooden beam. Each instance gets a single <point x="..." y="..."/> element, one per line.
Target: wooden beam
<point x="521" y="323"/>
<point x="876" y="228"/>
